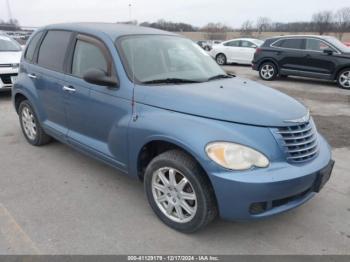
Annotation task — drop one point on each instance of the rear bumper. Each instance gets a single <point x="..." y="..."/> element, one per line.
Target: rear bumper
<point x="262" y="193"/>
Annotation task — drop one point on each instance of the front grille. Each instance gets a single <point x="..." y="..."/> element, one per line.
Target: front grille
<point x="6" y="78"/>
<point x="299" y="142"/>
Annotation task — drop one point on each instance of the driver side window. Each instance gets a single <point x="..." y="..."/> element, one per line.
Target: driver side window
<point x="87" y="56"/>
<point x="317" y="45"/>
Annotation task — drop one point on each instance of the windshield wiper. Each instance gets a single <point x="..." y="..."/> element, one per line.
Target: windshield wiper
<point x="170" y="81"/>
<point x="220" y="76"/>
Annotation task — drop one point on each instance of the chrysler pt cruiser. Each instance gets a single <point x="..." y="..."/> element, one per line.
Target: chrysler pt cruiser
<point x="155" y="106"/>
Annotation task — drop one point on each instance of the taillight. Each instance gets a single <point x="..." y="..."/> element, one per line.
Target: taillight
<point x="257" y="51"/>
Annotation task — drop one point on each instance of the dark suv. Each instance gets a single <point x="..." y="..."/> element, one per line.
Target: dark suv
<point x="321" y="57"/>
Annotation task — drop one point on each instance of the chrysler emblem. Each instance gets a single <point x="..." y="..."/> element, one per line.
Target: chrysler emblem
<point x="301" y="120"/>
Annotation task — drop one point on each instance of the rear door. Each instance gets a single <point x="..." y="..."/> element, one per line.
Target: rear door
<point x="48" y="78"/>
<point x="97" y="116"/>
<point x="247" y="51"/>
<point x="232" y="49"/>
<point x="290" y="54"/>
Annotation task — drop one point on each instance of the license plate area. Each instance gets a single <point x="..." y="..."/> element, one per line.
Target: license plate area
<point x="14" y="79"/>
<point x="323" y="176"/>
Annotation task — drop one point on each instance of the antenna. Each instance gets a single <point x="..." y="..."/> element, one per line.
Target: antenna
<point x="130" y="12"/>
<point x="134" y="114"/>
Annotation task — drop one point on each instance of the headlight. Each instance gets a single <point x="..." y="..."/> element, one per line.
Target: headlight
<point x="235" y="156"/>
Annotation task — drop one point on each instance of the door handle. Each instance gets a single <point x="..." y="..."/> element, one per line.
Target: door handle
<point x="69" y="89"/>
<point x="32" y="76"/>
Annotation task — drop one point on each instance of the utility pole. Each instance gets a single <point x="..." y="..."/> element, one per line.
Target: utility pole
<point x="9" y="10"/>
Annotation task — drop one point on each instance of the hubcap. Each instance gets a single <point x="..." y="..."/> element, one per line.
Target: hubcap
<point x="174" y="195"/>
<point x="344" y="79"/>
<point x="267" y="71"/>
<point x="220" y="60"/>
<point x="29" y="124"/>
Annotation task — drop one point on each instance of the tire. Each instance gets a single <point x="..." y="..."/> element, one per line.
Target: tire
<point x="197" y="190"/>
<point x="30" y="125"/>
<point x="221" y="59"/>
<point x="268" y="71"/>
<point x="343" y="78"/>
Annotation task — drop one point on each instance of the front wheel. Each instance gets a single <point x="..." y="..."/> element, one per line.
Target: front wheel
<point x="221" y="59"/>
<point x="343" y="79"/>
<point x="179" y="192"/>
<point x="268" y="71"/>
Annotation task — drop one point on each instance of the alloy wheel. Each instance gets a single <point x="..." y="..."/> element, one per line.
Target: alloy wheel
<point x="344" y="79"/>
<point x="267" y="71"/>
<point x="174" y="195"/>
<point x="28" y="122"/>
<point x="220" y="59"/>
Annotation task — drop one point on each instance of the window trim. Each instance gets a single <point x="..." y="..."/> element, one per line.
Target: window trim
<point x="304" y="49"/>
<point x="111" y="69"/>
<point x="38" y="44"/>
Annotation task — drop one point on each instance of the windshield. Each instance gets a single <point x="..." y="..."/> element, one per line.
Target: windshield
<point x="155" y="57"/>
<point x="336" y="43"/>
<point x="8" y="45"/>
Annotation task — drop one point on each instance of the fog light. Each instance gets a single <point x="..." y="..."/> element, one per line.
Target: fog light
<point x="258" y="208"/>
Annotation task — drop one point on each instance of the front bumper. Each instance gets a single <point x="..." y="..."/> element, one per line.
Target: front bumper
<point x="6" y="77"/>
<point x="265" y="192"/>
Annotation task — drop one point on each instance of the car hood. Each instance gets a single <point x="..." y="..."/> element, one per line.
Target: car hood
<point x="10" y="57"/>
<point x="234" y="100"/>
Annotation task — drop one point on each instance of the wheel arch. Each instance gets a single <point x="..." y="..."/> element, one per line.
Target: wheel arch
<point x="271" y="60"/>
<point x="18" y="99"/>
<point x="339" y="70"/>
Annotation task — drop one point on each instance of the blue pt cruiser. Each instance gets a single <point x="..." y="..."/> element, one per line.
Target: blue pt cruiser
<point x="155" y="106"/>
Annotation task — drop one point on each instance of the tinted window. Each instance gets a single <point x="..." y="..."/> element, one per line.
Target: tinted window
<point x="32" y="46"/>
<point x="290" y="43"/>
<point x="53" y="50"/>
<point x="316" y="45"/>
<point x="232" y="43"/>
<point x="87" y="56"/>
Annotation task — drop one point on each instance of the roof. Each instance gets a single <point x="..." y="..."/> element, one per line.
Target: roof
<point x="295" y="36"/>
<point x="113" y="30"/>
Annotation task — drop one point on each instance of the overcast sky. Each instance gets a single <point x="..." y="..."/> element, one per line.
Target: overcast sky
<point x="197" y="12"/>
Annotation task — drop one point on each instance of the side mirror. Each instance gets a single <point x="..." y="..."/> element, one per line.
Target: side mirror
<point x="328" y="51"/>
<point x="99" y="77"/>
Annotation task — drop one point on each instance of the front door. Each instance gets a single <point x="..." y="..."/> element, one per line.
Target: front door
<point x="97" y="117"/>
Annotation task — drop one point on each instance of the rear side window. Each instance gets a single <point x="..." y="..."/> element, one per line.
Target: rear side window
<point x="290" y="43"/>
<point x="232" y="43"/>
<point x="53" y="50"/>
<point x="87" y="56"/>
<point x="29" y="56"/>
<point x="247" y="44"/>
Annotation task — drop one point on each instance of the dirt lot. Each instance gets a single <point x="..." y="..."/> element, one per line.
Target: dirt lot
<point x="54" y="200"/>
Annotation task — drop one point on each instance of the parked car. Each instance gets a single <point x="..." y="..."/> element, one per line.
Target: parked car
<point x="203" y="142"/>
<point x="10" y="56"/>
<point x="240" y="51"/>
<point x="204" y="44"/>
<point x="321" y="57"/>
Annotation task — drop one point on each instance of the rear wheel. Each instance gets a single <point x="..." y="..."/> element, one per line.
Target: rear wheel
<point x="179" y="192"/>
<point x="343" y="79"/>
<point x="221" y="59"/>
<point x="268" y="71"/>
<point x="30" y="125"/>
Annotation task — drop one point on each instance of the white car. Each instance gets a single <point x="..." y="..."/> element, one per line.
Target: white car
<point x="240" y="51"/>
<point x="10" y="57"/>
